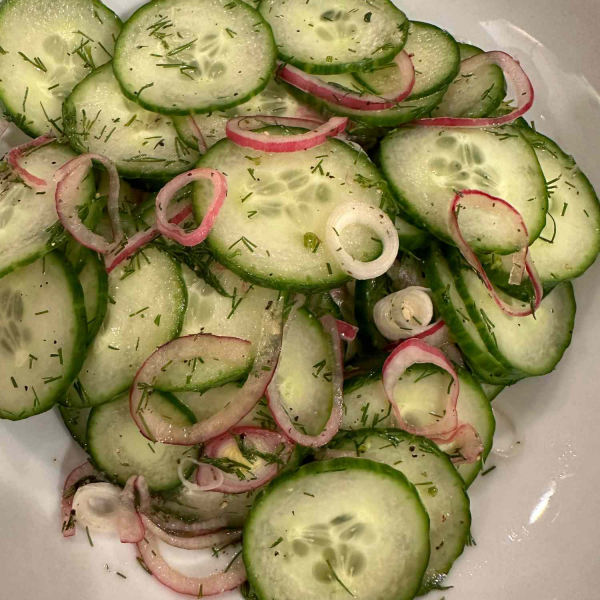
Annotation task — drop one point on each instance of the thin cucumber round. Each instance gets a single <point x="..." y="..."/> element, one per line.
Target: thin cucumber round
<point x="453" y="310"/>
<point x="411" y="238"/>
<point x="491" y="391"/>
<point x="473" y="95"/>
<point x="440" y="488"/>
<point x="333" y="37"/>
<point x="45" y="52"/>
<point x="435" y="56"/>
<point x="182" y="56"/>
<point x="303" y="375"/>
<point x="366" y="294"/>
<point x="98" y="118"/>
<point x="138" y="320"/>
<point x="275" y="100"/>
<point x="425" y="166"/>
<point x="271" y="230"/>
<point x="337" y="528"/>
<point x="94" y="282"/>
<point x="530" y="345"/>
<point x="392" y="117"/>
<point x="75" y="420"/>
<point x="119" y="450"/>
<point x="42" y="336"/>
<point x="28" y="219"/>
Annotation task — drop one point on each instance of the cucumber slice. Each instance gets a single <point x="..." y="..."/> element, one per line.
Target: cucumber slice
<point x="277" y="203"/>
<point x="366" y="295"/>
<point x="435" y="56"/>
<point x="28" y="219"/>
<point x="451" y="306"/>
<point x="570" y="241"/>
<point x="370" y="541"/>
<point x="476" y="94"/>
<point x="98" y="118"/>
<point x="45" y="52"/>
<point x="403" y="113"/>
<point x="440" y="488"/>
<point x="274" y="100"/>
<point x="426" y="165"/>
<point x="367" y="405"/>
<point x="42" y="336"/>
<point x="138" y="320"/>
<point x="492" y="391"/>
<point x="75" y="420"/>
<point x="333" y="37"/>
<point x="411" y="238"/>
<point x="237" y="315"/>
<point x="303" y="375"/>
<point x="530" y="345"/>
<point x="94" y="282"/>
<point x="181" y="56"/>
<point x="118" y="449"/>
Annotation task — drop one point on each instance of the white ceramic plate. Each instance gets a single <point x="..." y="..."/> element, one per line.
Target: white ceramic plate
<point x="535" y="516"/>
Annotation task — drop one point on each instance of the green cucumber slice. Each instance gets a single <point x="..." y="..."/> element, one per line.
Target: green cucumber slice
<point x="473" y="95"/>
<point x="275" y="100"/>
<point x="119" y="450"/>
<point x="94" y="282"/>
<point x="276" y="206"/>
<point x="42" y="336"/>
<point x="28" y="219"/>
<point x="75" y="420"/>
<point x="530" y="345"/>
<point x="182" y="56"/>
<point x="440" y="488"/>
<point x="392" y="117"/>
<point x="334" y="37"/>
<point x="435" y="56"/>
<point x="451" y="306"/>
<point x="98" y="118"/>
<point x="334" y="528"/>
<point x="138" y="320"/>
<point x="46" y="52"/>
<point x="491" y="391"/>
<point x="570" y="241"/>
<point x="366" y="295"/>
<point x="303" y="375"/>
<point x="426" y="165"/>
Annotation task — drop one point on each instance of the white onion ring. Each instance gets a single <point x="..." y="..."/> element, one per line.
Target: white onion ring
<point x="350" y="213"/>
<point x="212" y="478"/>
<point x="483" y="200"/>
<point x="513" y="71"/>
<point x="240" y="131"/>
<point x="128" y="521"/>
<point x="349" y="99"/>
<point x="84" y="471"/>
<point x="411" y="352"/>
<point x="101" y="518"/>
<point x="165" y="195"/>
<point x="385" y="311"/>
<point x="17" y="153"/>
<point x="280" y="414"/>
<point x="192" y="346"/>
<point x="191" y="586"/>
<point x="69" y="177"/>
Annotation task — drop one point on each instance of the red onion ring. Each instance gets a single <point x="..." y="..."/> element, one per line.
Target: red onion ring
<point x="280" y="414"/>
<point x="240" y="131"/>
<point x="192" y="346"/>
<point x="197" y="133"/>
<point x="141" y="239"/>
<point x="437" y="335"/>
<point x="347" y="331"/>
<point x="482" y="199"/>
<point x="349" y="99"/>
<point x="200" y="542"/>
<point x="129" y="522"/>
<point x="344" y="301"/>
<point x="198" y="587"/>
<point x="165" y="195"/>
<point x="208" y="478"/>
<point x="69" y="177"/>
<point x="262" y="439"/>
<point x="17" y="153"/>
<point x="470" y="447"/>
<point x="411" y="352"/>
<point x="513" y="71"/>
<point x="81" y="472"/>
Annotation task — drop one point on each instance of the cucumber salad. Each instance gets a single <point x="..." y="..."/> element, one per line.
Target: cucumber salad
<point x="272" y="261"/>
